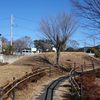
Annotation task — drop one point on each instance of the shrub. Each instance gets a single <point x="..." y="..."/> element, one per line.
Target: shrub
<point x="98" y="74"/>
<point x="1" y="64"/>
<point x="90" y="89"/>
<point x="22" y="85"/>
<point x="97" y="53"/>
<point x="9" y="54"/>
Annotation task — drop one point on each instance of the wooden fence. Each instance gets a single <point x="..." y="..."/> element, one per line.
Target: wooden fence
<point x="15" y="81"/>
<point x="74" y="84"/>
<point x="4" y="91"/>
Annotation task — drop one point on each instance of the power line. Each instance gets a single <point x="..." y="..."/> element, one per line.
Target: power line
<point x="5" y="18"/>
<point x="22" y="27"/>
<point x="4" y="27"/>
<point x="27" y="19"/>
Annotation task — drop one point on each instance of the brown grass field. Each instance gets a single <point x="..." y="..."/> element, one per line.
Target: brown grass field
<point x="19" y="67"/>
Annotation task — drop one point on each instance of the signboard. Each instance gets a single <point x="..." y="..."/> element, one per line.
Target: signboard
<point x="33" y="49"/>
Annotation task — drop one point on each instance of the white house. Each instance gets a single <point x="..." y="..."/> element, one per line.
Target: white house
<point x="53" y="48"/>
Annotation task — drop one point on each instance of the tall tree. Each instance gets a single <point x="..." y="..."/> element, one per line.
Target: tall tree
<point x="4" y="40"/>
<point x="73" y="43"/>
<point x="24" y="42"/>
<point x="89" y="10"/>
<point x="20" y="45"/>
<point x="58" y="29"/>
<point x="28" y="41"/>
<point x="39" y="44"/>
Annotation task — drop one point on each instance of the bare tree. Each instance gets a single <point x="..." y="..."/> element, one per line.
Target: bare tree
<point x="28" y="41"/>
<point x="73" y="43"/>
<point x="4" y="40"/>
<point x="20" y="45"/>
<point x="89" y="10"/>
<point x="58" y="29"/>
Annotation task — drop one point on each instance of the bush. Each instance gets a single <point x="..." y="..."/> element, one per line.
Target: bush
<point x="97" y="53"/>
<point x="9" y="54"/>
<point x="90" y="89"/>
<point x="1" y="64"/>
<point x="98" y="74"/>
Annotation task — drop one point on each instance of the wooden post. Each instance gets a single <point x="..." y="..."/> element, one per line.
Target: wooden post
<point x="1" y="91"/>
<point x="93" y="65"/>
<point x="37" y="74"/>
<point x="84" y="65"/>
<point x="74" y="69"/>
<point x="26" y="74"/>
<point x="13" y="89"/>
<point x="71" y="85"/>
<point x="81" y="92"/>
<point x="50" y="72"/>
<point x="82" y="68"/>
<point x="62" y="68"/>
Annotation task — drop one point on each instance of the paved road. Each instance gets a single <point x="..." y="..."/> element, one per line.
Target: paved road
<point x="48" y="91"/>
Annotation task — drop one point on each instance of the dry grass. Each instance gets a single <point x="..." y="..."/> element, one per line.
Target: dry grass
<point x="47" y="59"/>
<point x="9" y="71"/>
<point x="18" y="68"/>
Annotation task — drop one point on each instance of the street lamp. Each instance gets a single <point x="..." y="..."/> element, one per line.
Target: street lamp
<point x="94" y="42"/>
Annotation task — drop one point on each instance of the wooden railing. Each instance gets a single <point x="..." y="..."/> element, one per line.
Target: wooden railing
<point x="15" y="81"/>
<point x="36" y="72"/>
<point x="74" y="85"/>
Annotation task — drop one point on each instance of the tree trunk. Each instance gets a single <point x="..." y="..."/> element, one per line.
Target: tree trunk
<point x="58" y="56"/>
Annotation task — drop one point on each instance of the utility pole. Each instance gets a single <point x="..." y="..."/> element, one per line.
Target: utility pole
<point x="85" y="43"/>
<point x="11" y="28"/>
<point x="85" y="46"/>
<point x="94" y="42"/>
<point x="12" y="17"/>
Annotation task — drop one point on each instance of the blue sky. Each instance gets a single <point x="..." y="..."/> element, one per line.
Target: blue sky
<point x="26" y="10"/>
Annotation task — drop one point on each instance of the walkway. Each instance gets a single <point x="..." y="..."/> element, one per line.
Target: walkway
<point x="48" y="91"/>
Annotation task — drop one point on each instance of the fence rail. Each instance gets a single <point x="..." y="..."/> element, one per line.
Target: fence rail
<point x="38" y="71"/>
<point x="74" y="84"/>
<point x="17" y="81"/>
